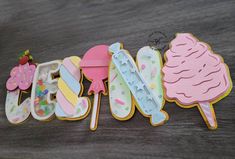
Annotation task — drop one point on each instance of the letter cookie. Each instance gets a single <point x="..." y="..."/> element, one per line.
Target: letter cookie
<point x="145" y="100"/>
<point x="120" y="99"/>
<point x="21" y="78"/>
<point x="195" y="76"/>
<point x="69" y="106"/>
<point x="94" y="66"/>
<point x="44" y="89"/>
<point x="149" y="62"/>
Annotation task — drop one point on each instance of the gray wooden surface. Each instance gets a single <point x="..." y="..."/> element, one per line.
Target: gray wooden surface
<point x="59" y="28"/>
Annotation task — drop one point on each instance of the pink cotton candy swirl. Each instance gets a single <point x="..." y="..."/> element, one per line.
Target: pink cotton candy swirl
<point x="192" y="72"/>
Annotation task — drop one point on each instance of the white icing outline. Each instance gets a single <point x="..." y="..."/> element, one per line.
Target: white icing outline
<point x="51" y="81"/>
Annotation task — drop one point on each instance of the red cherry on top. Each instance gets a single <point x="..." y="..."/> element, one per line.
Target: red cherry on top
<point x="24" y="60"/>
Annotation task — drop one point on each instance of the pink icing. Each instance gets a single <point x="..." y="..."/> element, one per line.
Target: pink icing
<point x="72" y="68"/>
<point x="143" y="66"/>
<point x="95" y="67"/>
<point x="119" y="101"/>
<point x="192" y="72"/>
<point x="21" y="76"/>
<point x="65" y="105"/>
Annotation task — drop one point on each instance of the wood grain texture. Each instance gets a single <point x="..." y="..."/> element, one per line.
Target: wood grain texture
<point x="56" y="29"/>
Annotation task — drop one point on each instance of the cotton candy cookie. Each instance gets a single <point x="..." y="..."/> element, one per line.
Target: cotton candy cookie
<point x="195" y="76"/>
<point x="147" y="103"/>
<point x="69" y="105"/>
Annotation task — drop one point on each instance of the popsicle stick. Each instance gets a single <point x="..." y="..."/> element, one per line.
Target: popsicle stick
<point x="95" y="112"/>
<point x="208" y="114"/>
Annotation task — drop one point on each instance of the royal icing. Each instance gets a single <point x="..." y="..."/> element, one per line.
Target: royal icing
<point x="69" y="106"/>
<point x="148" y="104"/>
<point x="194" y="75"/>
<point x="149" y="63"/>
<point x="21" y="77"/>
<point x="16" y="113"/>
<point x="120" y="99"/>
<point x="94" y="66"/>
<point x="44" y="89"/>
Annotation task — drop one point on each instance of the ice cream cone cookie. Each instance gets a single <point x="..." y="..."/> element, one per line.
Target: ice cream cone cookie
<point x="94" y="66"/>
<point x="44" y="89"/>
<point x="20" y="80"/>
<point x="145" y="100"/>
<point x="69" y="106"/>
<point x="195" y="76"/>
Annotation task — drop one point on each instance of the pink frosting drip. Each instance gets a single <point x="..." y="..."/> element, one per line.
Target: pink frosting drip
<point x="192" y="72"/>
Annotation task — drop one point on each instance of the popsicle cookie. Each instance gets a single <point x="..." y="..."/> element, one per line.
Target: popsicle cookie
<point x="195" y="76"/>
<point x="70" y="106"/>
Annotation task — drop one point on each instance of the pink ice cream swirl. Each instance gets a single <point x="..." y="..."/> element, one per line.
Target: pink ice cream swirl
<point x="192" y="72"/>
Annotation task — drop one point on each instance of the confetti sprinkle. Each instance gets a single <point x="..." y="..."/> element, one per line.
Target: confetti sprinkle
<point x="152" y="86"/>
<point x="79" y="110"/>
<point x="143" y="66"/>
<point x="119" y="101"/>
<point x="84" y="102"/>
<point x="40" y="112"/>
<point x="154" y="72"/>
<point x="112" y="87"/>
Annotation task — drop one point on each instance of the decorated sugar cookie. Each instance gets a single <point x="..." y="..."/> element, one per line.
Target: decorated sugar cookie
<point x="21" y="76"/>
<point x="141" y="88"/>
<point x="69" y="106"/>
<point x="149" y="62"/>
<point x="94" y="66"/>
<point x="195" y="76"/>
<point x="120" y="98"/>
<point x="16" y="113"/>
<point x="44" y="89"/>
<point x="20" y="80"/>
